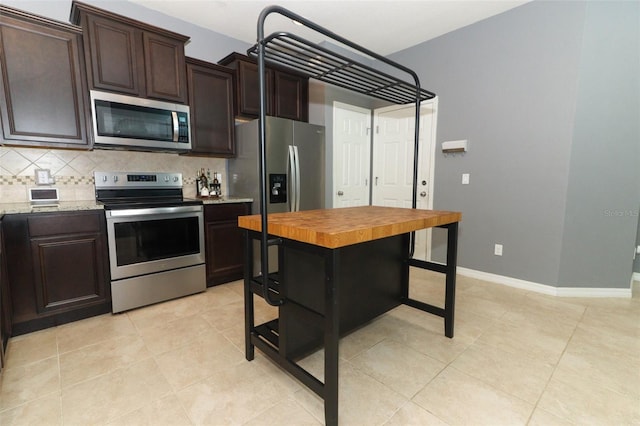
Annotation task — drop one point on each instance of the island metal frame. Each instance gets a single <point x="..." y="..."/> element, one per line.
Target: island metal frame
<point x="295" y="53"/>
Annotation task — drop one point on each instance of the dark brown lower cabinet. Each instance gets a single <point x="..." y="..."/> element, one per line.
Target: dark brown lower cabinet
<point x="370" y="279"/>
<point x="57" y="268"/>
<point x="5" y="318"/>
<point x="224" y="242"/>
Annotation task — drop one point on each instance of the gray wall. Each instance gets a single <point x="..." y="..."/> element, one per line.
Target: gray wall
<point x="551" y="115"/>
<point x="636" y="263"/>
<point x="204" y="44"/>
<point x="601" y="217"/>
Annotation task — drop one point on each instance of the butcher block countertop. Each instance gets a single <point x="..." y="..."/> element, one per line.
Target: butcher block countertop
<point x="334" y="228"/>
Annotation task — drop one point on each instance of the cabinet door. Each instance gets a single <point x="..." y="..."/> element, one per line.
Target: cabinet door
<point x="210" y="90"/>
<point x="248" y="89"/>
<point x="224" y="242"/>
<point x="164" y="68"/>
<point x="131" y="57"/>
<point x="57" y="268"/>
<point x="43" y="89"/>
<point x="5" y="312"/>
<point x="225" y="254"/>
<point x="291" y="99"/>
<point x="115" y="56"/>
<point x="69" y="272"/>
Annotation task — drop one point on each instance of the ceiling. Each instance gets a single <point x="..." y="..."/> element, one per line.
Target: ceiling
<point x="384" y="26"/>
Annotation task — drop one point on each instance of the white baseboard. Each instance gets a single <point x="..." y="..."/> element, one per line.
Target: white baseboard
<point x="544" y="288"/>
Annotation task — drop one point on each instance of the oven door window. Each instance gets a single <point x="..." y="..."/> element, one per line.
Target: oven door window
<point x="148" y="240"/>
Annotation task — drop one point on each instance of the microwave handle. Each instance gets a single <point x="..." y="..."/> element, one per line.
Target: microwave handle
<point x="176" y="127"/>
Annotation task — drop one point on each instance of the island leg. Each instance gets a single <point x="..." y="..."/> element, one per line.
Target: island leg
<point x="450" y="286"/>
<point x="249" y="320"/>
<point x="331" y="337"/>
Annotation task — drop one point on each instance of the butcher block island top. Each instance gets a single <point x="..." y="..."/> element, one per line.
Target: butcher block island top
<point x="334" y="228"/>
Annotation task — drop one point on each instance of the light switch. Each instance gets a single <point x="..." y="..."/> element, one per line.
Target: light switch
<point x="465" y="178"/>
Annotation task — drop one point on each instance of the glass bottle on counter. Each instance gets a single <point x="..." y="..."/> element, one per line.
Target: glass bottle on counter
<point x="215" y="185"/>
<point x="202" y="184"/>
<point x="198" y="183"/>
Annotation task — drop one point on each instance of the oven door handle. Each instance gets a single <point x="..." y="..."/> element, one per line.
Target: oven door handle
<point x="153" y="211"/>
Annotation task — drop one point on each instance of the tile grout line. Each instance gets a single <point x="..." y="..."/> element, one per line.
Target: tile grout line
<point x="449" y="365"/>
<point x="555" y="367"/>
<point x="59" y="378"/>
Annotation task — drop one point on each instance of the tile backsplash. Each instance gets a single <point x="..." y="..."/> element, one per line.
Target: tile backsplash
<point x="73" y="170"/>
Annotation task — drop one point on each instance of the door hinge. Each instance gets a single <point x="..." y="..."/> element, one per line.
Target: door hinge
<point x="377" y="129"/>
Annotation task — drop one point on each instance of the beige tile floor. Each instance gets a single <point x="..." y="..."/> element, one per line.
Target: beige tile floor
<point x="517" y="358"/>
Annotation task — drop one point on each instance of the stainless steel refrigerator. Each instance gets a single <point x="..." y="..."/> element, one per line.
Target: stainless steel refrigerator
<point x="295" y="168"/>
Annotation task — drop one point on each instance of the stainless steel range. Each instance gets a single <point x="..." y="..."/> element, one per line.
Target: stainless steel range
<point x="155" y="238"/>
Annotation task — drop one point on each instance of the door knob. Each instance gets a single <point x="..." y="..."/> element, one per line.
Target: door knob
<point x="340" y="193"/>
<point x="423" y="194"/>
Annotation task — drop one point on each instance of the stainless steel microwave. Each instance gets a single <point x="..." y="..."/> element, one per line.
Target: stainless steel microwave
<point x="121" y="121"/>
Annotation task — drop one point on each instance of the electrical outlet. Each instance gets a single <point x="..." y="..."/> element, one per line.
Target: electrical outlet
<point x="465" y="178"/>
<point x="497" y="250"/>
<point x="43" y="177"/>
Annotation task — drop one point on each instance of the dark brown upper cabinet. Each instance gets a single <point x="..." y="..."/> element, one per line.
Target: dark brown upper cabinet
<point x="210" y="89"/>
<point x="43" y="93"/>
<point x="128" y="56"/>
<point x="291" y="96"/>
<point x="287" y="94"/>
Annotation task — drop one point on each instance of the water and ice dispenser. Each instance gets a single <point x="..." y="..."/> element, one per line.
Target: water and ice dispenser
<point x="277" y="188"/>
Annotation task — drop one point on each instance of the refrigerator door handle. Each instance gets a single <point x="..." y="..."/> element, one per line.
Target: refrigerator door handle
<point x="297" y="177"/>
<point x="291" y="172"/>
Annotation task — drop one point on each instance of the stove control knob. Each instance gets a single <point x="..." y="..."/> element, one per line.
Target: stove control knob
<point x="175" y="178"/>
<point x="115" y="178"/>
<point x="166" y="178"/>
<point x="104" y="178"/>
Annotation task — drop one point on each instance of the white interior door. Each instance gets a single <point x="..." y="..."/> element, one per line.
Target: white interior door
<point x="351" y="155"/>
<point x="393" y="153"/>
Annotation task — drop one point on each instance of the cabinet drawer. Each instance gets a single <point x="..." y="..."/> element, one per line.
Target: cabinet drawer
<point x="68" y="223"/>
<point x="218" y="212"/>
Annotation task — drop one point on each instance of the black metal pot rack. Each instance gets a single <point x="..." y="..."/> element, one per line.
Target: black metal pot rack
<point x="290" y="51"/>
<point x="314" y="61"/>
